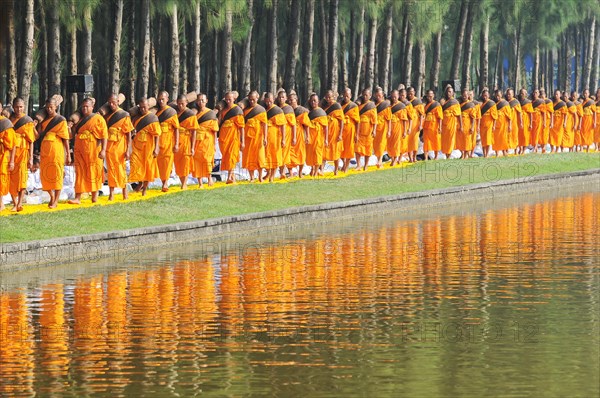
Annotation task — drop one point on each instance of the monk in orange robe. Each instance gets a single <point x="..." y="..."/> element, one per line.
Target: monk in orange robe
<point x="538" y="120"/>
<point x="476" y="122"/>
<point x="351" y="120"/>
<point x="577" y="126"/>
<point x="24" y="139"/>
<point x="290" y="131"/>
<point x="464" y="139"/>
<point x="253" y="155"/>
<point x="363" y="143"/>
<point x="432" y="126"/>
<point x="399" y="127"/>
<point x="275" y="137"/>
<point x="231" y="136"/>
<point x="7" y="154"/>
<point x="548" y="110"/>
<point x="317" y="137"/>
<point x="168" y="143"/>
<point x="118" y="146"/>
<point x="188" y="128"/>
<point x="53" y="132"/>
<point x="335" y="119"/>
<point x="516" y="119"/>
<point x="204" y="147"/>
<point x="588" y="120"/>
<point x="416" y="116"/>
<point x="90" y="135"/>
<point x="384" y="117"/>
<point x="489" y="115"/>
<point x="558" y="123"/>
<point x="452" y="123"/>
<point x="411" y="114"/>
<point x="597" y="129"/>
<point x="298" y="152"/>
<point x="143" y="166"/>
<point x="525" y="129"/>
<point x="571" y="122"/>
<point x="503" y="128"/>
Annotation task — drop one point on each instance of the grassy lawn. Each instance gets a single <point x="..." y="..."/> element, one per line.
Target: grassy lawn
<point x="249" y="198"/>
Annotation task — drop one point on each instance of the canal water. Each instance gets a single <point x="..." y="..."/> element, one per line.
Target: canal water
<point x="493" y="299"/>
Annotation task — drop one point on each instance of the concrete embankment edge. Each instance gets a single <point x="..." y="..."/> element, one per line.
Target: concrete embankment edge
<point x="25" y="255"/>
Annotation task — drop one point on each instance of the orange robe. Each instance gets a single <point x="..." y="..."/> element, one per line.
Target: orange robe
<point x="351" y="119"/>
<point x="253" y="155"/>
<point x="537" y="122"/>
<point x="143" y="166"/>
<point x="384" y="115"/>
<point x="335" y="115"/>
<point x="524" y="133"/>
<point x="514" y="134"/>
<point x="24" y="137"/>
<point x="298" y="153"/>
<point x="597" y="130"/>
<point x="368" y="118"/>
<point x="569" y="132"/>
<point x="577" y="131"/>
<point x="557" y="132"/>
<point x="548" y="110"/>
<point x="183" y="157"/>
<point x="52" y="152"/>
<point x="273" y="152"/>
<point x="464" y="139"/>
<point x="587" y="123"/>
<point x="399" y="117"/>
<point x="489" y="113"/>
<point x="290" y="119"/>
<point x="415" y="112"/>
<point x="119" y="126"/>
<point x="432" y="141"/>
<point x="450" y="125"/>
<point x="89" y="169"/>
<point x="204" y="151"/>
<point x="501" y="134"/>
<point x="229" y="136"/>
<point x="7" y="142"/>
<point x="316" y="137"/>
<point x="169" y="124"/>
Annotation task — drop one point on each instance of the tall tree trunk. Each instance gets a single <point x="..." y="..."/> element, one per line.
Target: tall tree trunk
<point x="497" y="70"/>
<point x="351" y="64"/>
<point x="195" y="80"/>
<point x="144" y="52"/>
<point x="577" y="49"/>
<point x="27" y="63"/>
<point x="115" y="70"/>
<point x="175" y="53"/>
<point x="343" y="61"/>
<point x="369" y="74"/>
<point x="43" y="60"/>
<point x="154" y="78"/>
<point x="516" y="75"/>
<point x="183" y="60"/>
<point x="403" y="44"/>
<point x="324" y="36"/>
<point x="484" y="53"/>
<point x="360" y="42"/>
<point x="458" y="43"/>
<point x="421" y="75"/>
<point x="589" y="59"/>
<point x="273" y="49"/>
<point x="132" y="64"/>
<point x="434" y="72"/>
<point x="54" y="58"/>
<point x="294" y="45"/>
<point x="536" y="67"/>
<point x="333" y="45"/>
<point x="72" y="104"/>
<point x="12" y="85"/>
<point x="408" y="53"/>
<point x="567" y="63"/>
<point x="384" y="64"/>
<point x="227" y="50"/>
<point x="307" y="49"/>
<point x="246" y="70"/>
<point x="87" y="40"/>
<point x="468" y="47"/>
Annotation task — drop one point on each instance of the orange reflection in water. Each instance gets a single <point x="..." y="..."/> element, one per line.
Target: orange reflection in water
<point x="161" y="326"/>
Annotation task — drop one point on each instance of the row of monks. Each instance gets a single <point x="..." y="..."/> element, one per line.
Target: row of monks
<point x="275" y="133"/>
